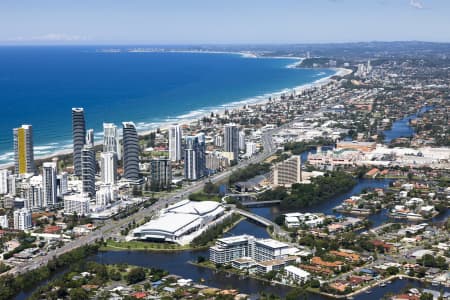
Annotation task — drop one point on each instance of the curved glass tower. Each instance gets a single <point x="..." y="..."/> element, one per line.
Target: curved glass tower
<point x="79" y="138"/>
<point x="130" y="142"/>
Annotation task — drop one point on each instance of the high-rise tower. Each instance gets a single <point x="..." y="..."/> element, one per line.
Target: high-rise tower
<point x="79" y="138"/>
<point x="111" y="139"/>
<point x="175" y="135"/>
<point x="23" y="149"/>
<point x="108" y="165"/>
<point x="49" y="184"/>
<point x="231" y="139"/>
<point x="195" y="157"/>
<point x="130" y="151"/>
<point x="90" y="137"/>
<point x="88" y="168"/>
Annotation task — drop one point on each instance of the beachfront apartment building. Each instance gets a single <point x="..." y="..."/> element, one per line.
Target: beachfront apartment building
<point x="130" y="151"/>
<point x="79" y="138"/>
<point x="23" y="150"/>
<point x="111" y="139"/>
<point x="88" y="169"/>
<point x="175" y="146"/>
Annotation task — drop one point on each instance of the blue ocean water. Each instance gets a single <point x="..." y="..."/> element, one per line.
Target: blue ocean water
<point x="40" y="85"/>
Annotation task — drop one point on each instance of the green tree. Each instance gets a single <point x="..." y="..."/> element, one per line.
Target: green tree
<point x="426" y="296"/>
<point x="78" y="294"/>
<point x="135" y="275"/>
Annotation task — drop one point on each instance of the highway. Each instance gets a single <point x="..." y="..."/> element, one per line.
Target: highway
<point x="113" y="227"/>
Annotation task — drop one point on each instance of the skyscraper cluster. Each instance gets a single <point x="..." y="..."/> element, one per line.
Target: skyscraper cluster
<point x="84" y="163"/>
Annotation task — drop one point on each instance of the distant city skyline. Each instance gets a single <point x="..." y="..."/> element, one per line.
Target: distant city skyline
<point x="224" y="22"/>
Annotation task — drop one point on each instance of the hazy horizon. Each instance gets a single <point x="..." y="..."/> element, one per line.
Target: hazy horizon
<point x="206" y="22"/>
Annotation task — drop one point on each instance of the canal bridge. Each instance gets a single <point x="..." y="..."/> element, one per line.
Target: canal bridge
<point x="277" y="230"/>
<point x="260" y="203"/>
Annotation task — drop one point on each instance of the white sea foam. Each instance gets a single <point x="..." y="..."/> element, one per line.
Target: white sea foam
<point x="45" y="147"/>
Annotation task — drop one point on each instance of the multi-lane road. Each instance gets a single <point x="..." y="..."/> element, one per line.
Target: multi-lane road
<point x="112" y="228"/>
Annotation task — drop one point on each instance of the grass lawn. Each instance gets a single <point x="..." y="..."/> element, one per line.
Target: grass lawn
<point x="140" y="245"/>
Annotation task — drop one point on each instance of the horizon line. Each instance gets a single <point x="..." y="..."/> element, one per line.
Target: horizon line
<point x="8" y="43"/>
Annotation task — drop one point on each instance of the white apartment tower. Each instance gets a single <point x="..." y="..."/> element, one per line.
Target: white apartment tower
<point x="49" y="184"/>
<point x="250" y="149"/>
<point x="88" y="169"/>
<point x="4" y="224"/>
<point x="90" y="137"/>
<point x="4" y="174"/>
<point x="108" y="164"/>
<point x="111" y="139"/>
<point x="175" y="135"/>
<point x="241" y="140"/>
<point x="63" y="185"/>
<point x="22" y="219"/>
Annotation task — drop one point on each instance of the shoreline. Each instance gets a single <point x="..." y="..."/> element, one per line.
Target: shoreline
<point x="195" y="115"/>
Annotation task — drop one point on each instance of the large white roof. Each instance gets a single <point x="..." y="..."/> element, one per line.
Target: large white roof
<point x="236" y="239"/>
<point x="170" y="222"/>
<point x="274" y="244"/>
<point x="192" y="207"/>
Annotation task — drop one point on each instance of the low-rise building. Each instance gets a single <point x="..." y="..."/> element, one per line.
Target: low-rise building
<point x="296" y="275"/>
<point x="76" y="203"/>
<point x="22" y="219"/>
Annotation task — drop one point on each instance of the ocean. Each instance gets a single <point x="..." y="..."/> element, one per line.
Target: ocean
<point x="40" y="85"/>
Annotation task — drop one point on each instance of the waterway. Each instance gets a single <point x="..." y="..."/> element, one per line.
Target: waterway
<point x="402" y="127"/>
<point x="327" y="207"/>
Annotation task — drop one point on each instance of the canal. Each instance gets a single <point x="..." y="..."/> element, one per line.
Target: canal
<point x="402" y="127"/>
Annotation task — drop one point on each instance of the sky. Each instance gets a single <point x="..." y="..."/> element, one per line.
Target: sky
<point x="222" y="22"/>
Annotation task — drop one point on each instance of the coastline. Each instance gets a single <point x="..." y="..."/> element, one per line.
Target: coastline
<point x="197" y="114"/>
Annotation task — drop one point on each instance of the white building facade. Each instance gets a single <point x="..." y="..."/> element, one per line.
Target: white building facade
<point x="77" y="203"/>
<point x="175" y="149"/>
<point x="22" y="219"/>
